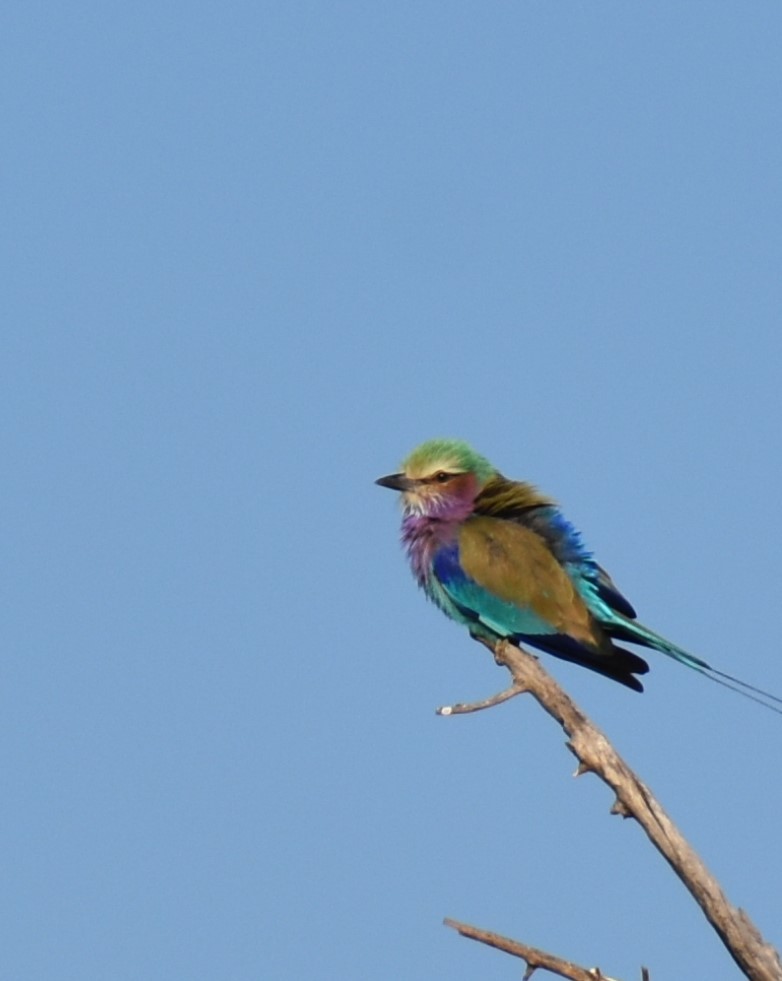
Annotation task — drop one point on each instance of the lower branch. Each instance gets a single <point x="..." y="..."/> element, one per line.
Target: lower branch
<point x="534" y="957"/>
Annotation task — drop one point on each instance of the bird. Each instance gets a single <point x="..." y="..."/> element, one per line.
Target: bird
<point x="500" y="558"/>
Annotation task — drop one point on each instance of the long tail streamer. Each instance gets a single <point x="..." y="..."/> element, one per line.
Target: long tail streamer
<point x="740" y="687"/>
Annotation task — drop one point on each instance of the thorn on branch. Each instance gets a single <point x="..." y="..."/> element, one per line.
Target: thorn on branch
<point x="619" y="807"/>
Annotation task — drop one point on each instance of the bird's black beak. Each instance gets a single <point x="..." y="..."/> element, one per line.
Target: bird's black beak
<point x="396" y="481"/>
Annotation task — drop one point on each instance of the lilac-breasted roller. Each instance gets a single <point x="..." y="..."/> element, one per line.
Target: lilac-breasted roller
<point x="498" y="556"/>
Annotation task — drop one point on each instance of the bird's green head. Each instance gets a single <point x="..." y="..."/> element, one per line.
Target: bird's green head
<point x="440" y="478"/>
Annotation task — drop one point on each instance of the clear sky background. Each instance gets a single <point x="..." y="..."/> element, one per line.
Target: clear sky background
<point x="252" y="254"/>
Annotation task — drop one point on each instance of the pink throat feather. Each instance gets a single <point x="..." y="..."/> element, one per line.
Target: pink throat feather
<point x="425" y="529"/>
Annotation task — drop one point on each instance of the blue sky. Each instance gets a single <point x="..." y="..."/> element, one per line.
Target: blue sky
<point x="254" y="253"/>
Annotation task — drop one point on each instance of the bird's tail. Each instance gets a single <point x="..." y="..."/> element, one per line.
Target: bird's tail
<point x="637" y="633"/>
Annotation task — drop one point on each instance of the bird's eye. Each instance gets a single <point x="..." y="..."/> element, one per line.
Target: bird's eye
<point x="441" y="477"/>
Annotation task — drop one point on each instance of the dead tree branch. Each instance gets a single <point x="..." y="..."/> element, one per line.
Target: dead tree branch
<point x="533" y="957"/>
<point x="757" y="959"/>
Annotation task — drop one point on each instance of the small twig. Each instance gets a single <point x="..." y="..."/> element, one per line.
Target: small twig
<point x="462" y="708"/>
<point x="534" y="957"/>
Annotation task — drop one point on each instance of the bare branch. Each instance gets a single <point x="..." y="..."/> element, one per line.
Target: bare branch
<point x="462" y="708"/>
<point x="757" y="959"/>
<point x="534" y="957"/>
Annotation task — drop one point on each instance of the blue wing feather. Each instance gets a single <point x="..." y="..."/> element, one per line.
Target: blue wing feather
<point x="592" y="581"/>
